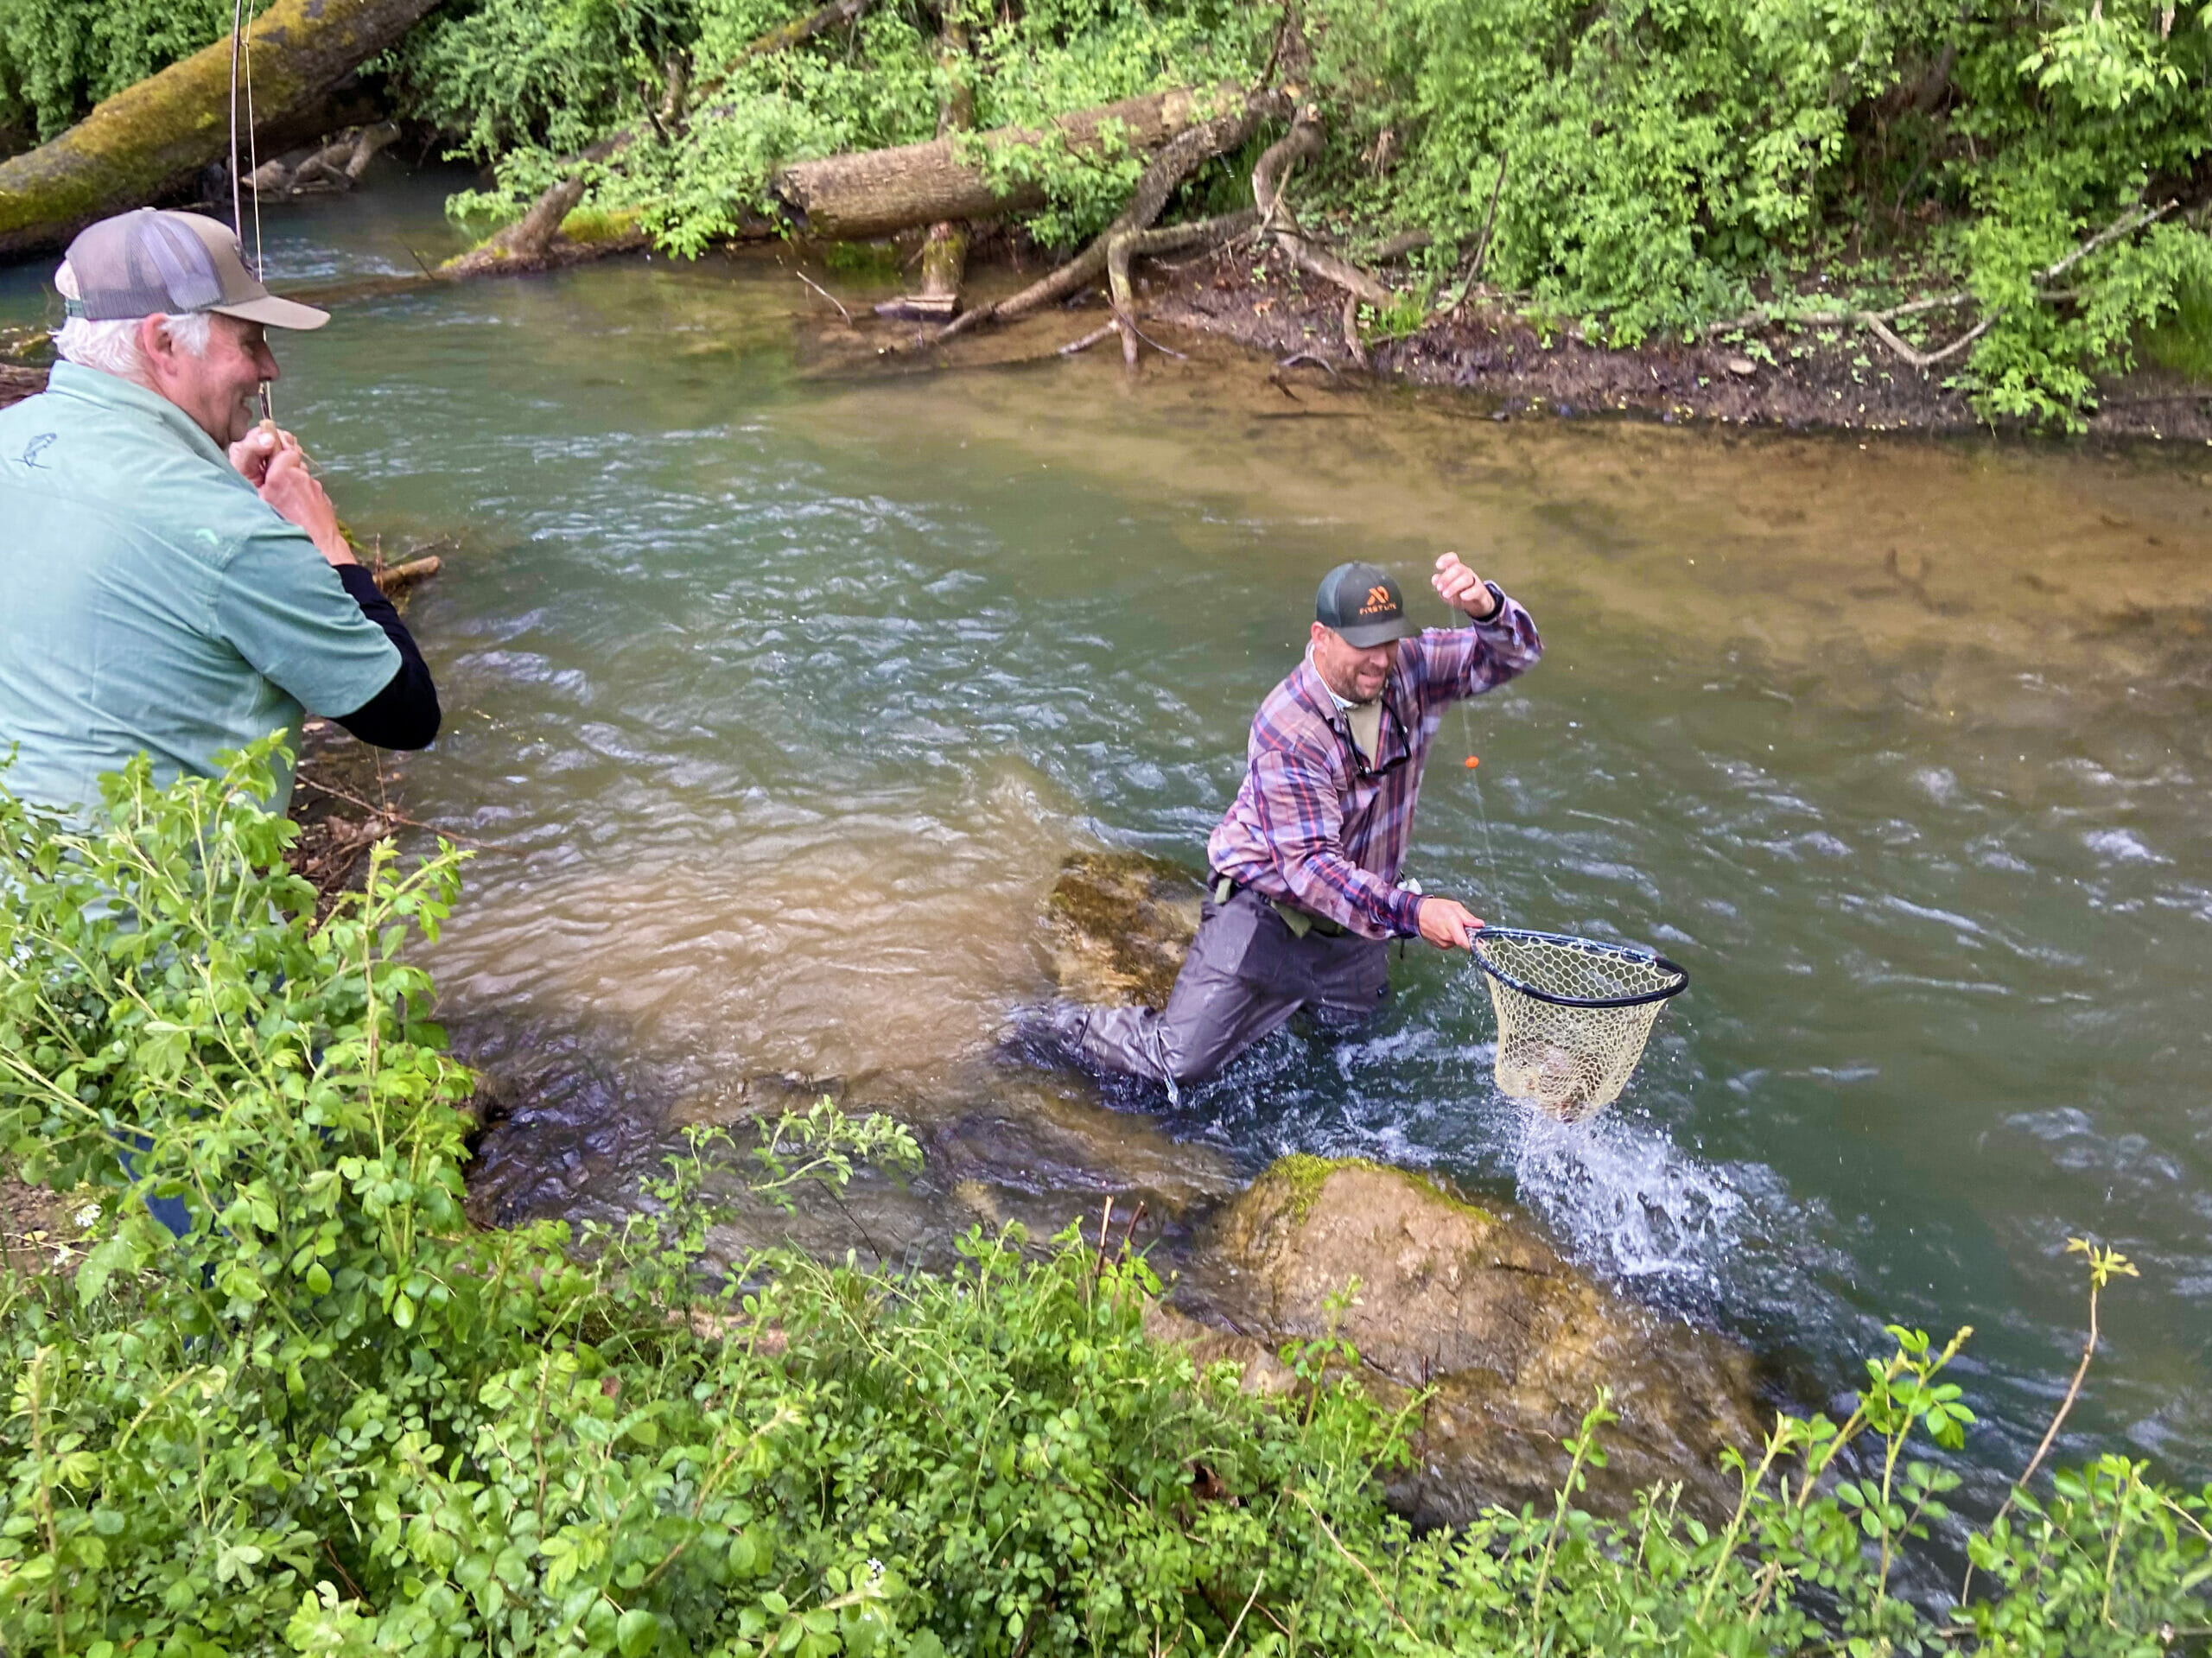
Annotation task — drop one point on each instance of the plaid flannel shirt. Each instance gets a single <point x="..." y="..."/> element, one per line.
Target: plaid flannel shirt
<point x="1317" y="826"/>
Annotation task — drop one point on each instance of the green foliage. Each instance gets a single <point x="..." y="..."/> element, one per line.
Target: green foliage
<point x="1657" y="165"/>
<point x="553" y="74"/>
<point x="334" y="1419"/>
<point x="1668" y="162"/>
<point x="58" y="58"/>
<point x="526" y="83"/>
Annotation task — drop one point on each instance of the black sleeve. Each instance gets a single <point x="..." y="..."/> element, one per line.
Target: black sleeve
<point x="404" y="714"/>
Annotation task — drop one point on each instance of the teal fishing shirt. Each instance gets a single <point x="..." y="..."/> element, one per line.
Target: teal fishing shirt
<point x="151" y="602"/>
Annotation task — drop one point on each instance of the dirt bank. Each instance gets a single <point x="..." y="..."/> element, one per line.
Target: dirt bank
<point x="1838" y="378"/>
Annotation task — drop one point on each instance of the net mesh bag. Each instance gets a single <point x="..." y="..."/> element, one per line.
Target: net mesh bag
<point x="1572" y="1015"/>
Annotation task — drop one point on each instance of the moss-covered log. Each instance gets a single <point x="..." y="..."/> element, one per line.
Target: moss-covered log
<point x="529" y="242"/>
<point x="152" y="137"/>
<point x="877" y="192"/>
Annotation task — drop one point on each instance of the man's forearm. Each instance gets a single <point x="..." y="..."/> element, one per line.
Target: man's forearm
<point x="1330" y="885"/>
<point x="405" y="713"/>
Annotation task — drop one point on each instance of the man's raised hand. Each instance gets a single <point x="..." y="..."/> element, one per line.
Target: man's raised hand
<point x="1461" y="588"/>
<point x="1446" y="922"/>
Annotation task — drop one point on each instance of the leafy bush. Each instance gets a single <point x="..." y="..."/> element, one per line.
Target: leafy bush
<point x="1660" y="167"/>
<point x="58" y="58"/>
<point x="332" y="1418"/>
<point x="526" y="83"/>
<point x="1667" y="163"/>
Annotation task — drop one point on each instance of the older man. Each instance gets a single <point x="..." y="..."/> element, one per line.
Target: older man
<point x="1304" y="887"/>
<point x="173" y="580"/>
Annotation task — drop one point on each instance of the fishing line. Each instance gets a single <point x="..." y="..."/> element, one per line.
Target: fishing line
<point x="253" y="166"/>
<point x="238" y="34"/>
<point x="238" y="183"/>
<point x="1474" y="768"/>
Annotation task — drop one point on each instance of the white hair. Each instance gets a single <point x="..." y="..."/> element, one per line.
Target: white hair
<point x="112" y="346"/>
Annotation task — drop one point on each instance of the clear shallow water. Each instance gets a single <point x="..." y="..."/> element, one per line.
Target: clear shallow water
<point x="793" y="681"/>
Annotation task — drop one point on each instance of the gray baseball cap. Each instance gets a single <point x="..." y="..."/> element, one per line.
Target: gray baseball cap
<point x="138" y="263"/>
<point x="1363" y="603"/>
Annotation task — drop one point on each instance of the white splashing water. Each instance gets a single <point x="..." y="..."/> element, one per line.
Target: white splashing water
<point x="1631" y="1204"/>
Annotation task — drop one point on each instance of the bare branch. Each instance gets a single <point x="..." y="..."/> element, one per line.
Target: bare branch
<point x="825" y="293"/>
<point x="1877" y="322"/>
<point x="1092" y="339"/>
<point x="1304" y="140"/>
<point x="1168" y="168"/>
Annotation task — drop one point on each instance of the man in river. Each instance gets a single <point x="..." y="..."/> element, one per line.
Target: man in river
<point x="173" y="579"/>
<point x="1305" y="888"/>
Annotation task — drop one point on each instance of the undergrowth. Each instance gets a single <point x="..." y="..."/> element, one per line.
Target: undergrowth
<point x="332" y="1417"/>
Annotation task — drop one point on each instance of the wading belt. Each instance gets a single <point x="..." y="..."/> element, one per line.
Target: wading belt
<point x="1300" y="921"/>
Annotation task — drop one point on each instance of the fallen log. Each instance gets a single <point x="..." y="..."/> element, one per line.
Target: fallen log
<point x="1174" y="162"/>
<point x="527" y="243"/>
<point x="397" y="578"/>
<point x="879" y="192"/>
<point x="337" y="165"/>
<point x="154" y="136"/>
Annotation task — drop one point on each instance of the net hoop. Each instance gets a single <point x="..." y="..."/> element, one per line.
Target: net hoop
<point x="1678" y="982"/>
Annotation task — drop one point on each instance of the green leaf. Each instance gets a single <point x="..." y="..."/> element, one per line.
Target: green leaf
<point x="110" y="1255"/>
<point x="636" y="1632"/>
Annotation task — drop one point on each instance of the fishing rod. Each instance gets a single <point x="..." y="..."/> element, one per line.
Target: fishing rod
<point x="253" y="180"/>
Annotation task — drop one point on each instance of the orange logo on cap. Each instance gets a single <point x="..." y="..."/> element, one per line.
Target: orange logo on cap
<point x="1378" y="599"/>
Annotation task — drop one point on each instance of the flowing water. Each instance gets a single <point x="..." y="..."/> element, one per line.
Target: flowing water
<point x="790" y="681"/>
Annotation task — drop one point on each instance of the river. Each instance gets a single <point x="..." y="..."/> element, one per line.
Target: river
<point x="789" y="680"/>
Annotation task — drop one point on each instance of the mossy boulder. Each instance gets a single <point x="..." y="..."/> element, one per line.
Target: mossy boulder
<point x="1120" y="923"/>
<point x="1474" y="1302"/>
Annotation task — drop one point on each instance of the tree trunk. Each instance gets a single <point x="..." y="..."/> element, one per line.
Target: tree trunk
<point x="877" y="192"/>
<point x="945" y="246"/>
<point x="944" y="250"/>
<point x="151" y="137"/>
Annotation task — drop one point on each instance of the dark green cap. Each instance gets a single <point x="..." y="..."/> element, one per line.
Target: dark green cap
<point x="1362" y="602"/>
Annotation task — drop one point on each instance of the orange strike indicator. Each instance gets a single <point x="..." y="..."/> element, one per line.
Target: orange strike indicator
<point x="1472" y="762"/>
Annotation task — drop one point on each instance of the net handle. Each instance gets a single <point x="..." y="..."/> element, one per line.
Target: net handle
<point x="1681" y="980"/>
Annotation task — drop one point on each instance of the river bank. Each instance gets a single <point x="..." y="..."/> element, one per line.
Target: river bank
<point x="1833" y="379"/>
<point x="1512" y="366"/>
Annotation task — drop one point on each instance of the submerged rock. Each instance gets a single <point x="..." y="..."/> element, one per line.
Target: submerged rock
<point x="1121" y="923"/>
<point x="1476" y="1304"/>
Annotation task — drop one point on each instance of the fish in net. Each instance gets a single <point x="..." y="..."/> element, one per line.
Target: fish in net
<point x="1573" y="1015"/>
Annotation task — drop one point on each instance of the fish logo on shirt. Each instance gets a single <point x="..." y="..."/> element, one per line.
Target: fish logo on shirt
<point x="37" y="447"/>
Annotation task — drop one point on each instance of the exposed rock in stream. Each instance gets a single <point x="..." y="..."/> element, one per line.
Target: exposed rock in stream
<point x="1471" y="1302"/>
<point x="1474" y="1303"/>
<point x="1121" y="923"/>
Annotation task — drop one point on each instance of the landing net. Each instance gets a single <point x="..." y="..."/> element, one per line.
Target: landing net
<point x="1573" y="1015"/>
